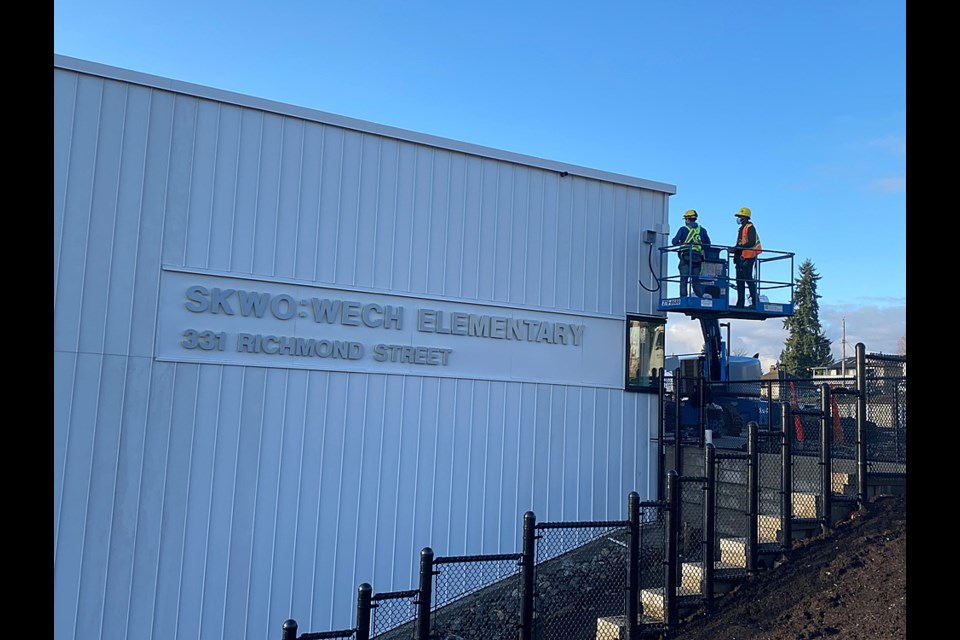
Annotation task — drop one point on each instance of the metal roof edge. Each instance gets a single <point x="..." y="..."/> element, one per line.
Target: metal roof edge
<point x="239" y="99"/>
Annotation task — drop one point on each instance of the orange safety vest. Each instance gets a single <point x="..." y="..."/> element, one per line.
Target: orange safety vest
<point x="754" y="251"/>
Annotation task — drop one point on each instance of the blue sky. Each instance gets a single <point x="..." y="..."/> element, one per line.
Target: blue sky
<point x="794" y="109"/>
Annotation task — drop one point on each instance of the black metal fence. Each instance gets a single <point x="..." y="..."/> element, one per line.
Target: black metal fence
<point x="872" y="395"/>
<point x="392" y="614"/>
<point x="581" y="576"/>
<point x="571" y="580"/>
<point x="493" y="611"/>
<point x="726" y="508"/>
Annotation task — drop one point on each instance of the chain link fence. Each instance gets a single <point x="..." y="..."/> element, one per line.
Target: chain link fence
<point x="732" y="516"/>
<point x="691" y="535"/>
<point x="393" y="614"/>
<point x="581" y="571"/>
<point x="492" y="612"/>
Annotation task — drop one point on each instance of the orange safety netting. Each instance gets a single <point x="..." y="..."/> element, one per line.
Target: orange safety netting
<point x="797" y="424"/>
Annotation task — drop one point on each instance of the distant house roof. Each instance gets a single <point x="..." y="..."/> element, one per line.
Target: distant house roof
<point x="776" y="373"/>
<point x="773" y="374"/>
<point x="879" y="365"/>
<point x="848" y="364"/>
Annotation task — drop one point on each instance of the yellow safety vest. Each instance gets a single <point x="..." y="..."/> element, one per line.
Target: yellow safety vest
<point x="692" y="241"/>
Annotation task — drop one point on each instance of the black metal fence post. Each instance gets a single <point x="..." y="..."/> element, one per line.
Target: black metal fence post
<point x="826" y="467"/>
<point x="672" y="549"/>
<point x="426" y="594"/>
<point x="290" y="629"/>
<point x="786" y="481"/>
<point x="633" y="567"/>
<point x="709" y="525"/>
<point x="364" y="595"/>
<point x="702" y="422"/>
<point x="677" y="453"/>
<point x="753" y="496"/>
<point x="662" y="432"/>
<point x="896" y="422"/>
<point x="526" y="594"/>
<point x="861" y="350"/>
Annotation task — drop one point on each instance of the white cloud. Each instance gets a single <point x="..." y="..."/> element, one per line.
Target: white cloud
<point x="683" y="336"/>
<point x="889" y="185"/>
<point x="879" y="326"/>
<point x="894" y="144"/>
<point x="747" y="337"/>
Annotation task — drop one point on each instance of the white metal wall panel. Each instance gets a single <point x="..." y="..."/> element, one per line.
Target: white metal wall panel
<point x="338" y="233"/>
<point x="216" y="501"/>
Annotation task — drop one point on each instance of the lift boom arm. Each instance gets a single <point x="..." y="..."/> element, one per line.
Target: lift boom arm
<point x="710" y="327"/>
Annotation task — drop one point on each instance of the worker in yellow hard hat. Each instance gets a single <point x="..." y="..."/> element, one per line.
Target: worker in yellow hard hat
<point x="691" y="238"/>
<point x="745" y="257"/>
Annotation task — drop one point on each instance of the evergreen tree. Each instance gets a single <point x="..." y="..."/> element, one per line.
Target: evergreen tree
<point x="806" y="347"/>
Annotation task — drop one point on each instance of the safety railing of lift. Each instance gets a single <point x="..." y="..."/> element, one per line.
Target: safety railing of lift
<point x="773" y="272"/>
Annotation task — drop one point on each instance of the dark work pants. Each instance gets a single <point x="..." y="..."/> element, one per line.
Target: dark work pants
<point x="690" y="270"/>
<point x="745" y="276"/>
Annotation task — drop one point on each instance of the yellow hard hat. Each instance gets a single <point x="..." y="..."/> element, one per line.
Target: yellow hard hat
<point x="743" y="212"/>
<point x="690" y="214"/>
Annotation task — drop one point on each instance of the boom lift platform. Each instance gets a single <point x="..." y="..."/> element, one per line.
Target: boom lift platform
<point x="774" y="276"/>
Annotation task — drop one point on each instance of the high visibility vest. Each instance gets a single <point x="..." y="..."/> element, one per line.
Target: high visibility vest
<point x="692" y="241"/>
<point x="752" y="252"/>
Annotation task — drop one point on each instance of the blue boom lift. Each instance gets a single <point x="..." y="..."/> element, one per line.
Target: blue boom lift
<point x="725" y="407"/>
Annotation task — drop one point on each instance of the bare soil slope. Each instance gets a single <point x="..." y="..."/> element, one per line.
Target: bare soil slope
<point x="849" y="584"/>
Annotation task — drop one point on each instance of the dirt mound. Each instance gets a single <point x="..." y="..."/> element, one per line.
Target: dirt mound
<point x="849" y="584"/>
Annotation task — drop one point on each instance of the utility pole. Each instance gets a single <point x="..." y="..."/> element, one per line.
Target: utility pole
<point x="843" y="348"/>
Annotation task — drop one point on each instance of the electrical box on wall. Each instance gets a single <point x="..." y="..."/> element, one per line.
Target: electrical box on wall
<point x="649" y="236"/>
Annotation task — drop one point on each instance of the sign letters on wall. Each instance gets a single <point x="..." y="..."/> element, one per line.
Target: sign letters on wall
<point x="228" y="320"/>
